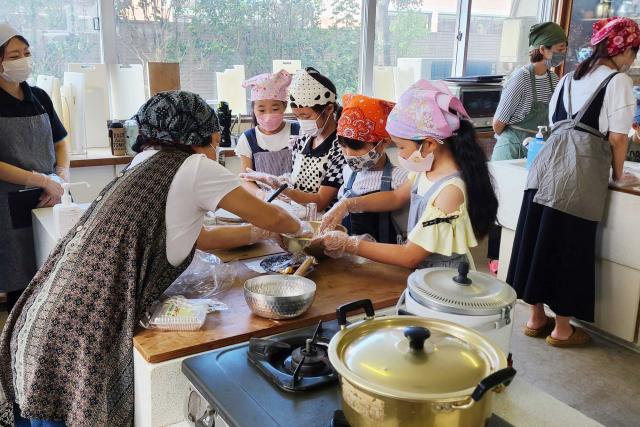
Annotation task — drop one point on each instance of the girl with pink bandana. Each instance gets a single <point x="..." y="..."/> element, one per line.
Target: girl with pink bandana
<point x="265" y="147"/>
<point x="449" y="191"/>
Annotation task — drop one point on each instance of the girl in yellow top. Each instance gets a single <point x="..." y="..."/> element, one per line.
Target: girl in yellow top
<point x="452" y="201"/>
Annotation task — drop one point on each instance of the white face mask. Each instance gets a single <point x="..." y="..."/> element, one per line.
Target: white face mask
<point x="18" y="70"/>
<point x="310" y="127"/>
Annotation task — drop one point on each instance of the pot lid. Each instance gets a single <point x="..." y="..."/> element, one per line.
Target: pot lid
<point x="414" y="358"/>
<point x="460" y="292"/>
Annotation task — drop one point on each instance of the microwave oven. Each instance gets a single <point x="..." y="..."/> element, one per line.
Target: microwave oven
<point x="480" y="100"/>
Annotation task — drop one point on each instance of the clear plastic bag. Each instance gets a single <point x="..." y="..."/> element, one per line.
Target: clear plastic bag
<point x="205" y="277"/>
<point x="178" y="313"/>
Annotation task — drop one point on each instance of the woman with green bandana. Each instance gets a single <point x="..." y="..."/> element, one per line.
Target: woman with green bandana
<point x="524" y="104"/>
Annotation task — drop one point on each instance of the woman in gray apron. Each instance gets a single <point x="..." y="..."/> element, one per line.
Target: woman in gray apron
<point x="317" y="158"/>
<point x="524" y="104"/>
<point x="553" y="259"/>
<point x="32" y="151"/>
<point x="452" y="201"/>
<point x="265" y="148"/>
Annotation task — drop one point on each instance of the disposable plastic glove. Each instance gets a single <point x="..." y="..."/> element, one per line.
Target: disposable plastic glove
<point x="337" y="213"/>
<point x="264" y="178"/>
<point x="258" y="234"/>
<point x="305" y="230"/>
<point x="63" y="173"/>
<point x="52" y="189"/>
<point x="337" y="243"/>
<point x="626" y="180"/>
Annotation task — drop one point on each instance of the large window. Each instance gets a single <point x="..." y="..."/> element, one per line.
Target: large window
<point x="499" y="35"/>
<point x="59" y="32"/>
<point x="242" y="38"/>
<point x="414" y="39"/>
<point x="426" y="39"/>
<point x="219" y="43"/>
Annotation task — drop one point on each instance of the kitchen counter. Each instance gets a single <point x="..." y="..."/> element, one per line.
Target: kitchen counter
<point x="98" y="157"/>
<point x="160" y="386"/>
<point x="617" y="252"/>
<point x="338" y="282"/>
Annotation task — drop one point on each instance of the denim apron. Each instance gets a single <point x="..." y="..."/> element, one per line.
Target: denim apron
<point x="377" y="224"/>
<point x="418" y="205"/>
<point x="270" y="162"/>
<point x="27" y="143"/>
<point x="509" y="143"/>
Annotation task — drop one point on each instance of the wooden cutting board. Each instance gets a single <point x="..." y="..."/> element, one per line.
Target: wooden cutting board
<point x="163" y="76"/>
<point x="258" y="250"/>
<point x="338" y="282"/>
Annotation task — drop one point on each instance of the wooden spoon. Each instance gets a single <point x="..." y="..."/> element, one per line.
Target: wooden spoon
<point x="308" y="261"/>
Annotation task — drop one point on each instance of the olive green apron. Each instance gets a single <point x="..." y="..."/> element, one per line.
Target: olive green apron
<point x="509" y="144"/>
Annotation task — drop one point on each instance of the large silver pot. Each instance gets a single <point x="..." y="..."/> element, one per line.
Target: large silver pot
<point x="409" y="371"/>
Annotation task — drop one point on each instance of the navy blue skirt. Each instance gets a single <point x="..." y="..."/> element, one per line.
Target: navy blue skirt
<point x="553" y="260"/>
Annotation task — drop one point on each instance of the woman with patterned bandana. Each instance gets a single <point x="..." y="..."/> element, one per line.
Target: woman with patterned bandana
<point x="65" y="351"/>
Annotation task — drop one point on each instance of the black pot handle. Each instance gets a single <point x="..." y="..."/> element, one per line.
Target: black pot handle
<point x="463" y="271"/>
<point x="501" y="377"/>
<point x="417" y="336"/>
<point x="343" y="310"/>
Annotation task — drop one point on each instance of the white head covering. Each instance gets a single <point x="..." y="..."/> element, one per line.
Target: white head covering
<point x="305" y="91"/>
<point x="7" y="32"/>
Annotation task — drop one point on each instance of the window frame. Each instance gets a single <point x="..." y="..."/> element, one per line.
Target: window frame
<point x="107" y="19"/>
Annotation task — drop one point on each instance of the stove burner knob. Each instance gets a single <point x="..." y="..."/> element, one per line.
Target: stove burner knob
<point x="308" y="347"/>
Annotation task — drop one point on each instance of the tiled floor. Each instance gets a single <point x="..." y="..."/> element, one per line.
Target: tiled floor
<point x="601" y="380"/>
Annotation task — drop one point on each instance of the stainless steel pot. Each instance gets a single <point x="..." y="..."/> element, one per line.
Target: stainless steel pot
<point x="408" y="371"/>
<point x="470" y="298"/>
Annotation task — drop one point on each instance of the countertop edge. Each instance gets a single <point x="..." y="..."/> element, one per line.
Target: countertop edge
<point x="224" y="342"/>
<point x="101" y="161"/>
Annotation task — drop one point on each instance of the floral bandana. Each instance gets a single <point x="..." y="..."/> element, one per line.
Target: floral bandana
<point x="364" y="162"/>
<point x="269" y="86"/>
<point x="426" y="110"/>
<point x="364" y="118"/>
<point x="621" y="34"/>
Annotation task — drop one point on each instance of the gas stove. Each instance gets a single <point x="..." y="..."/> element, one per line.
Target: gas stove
<point x="282" y="380"/>
<point x="296" y="361"/>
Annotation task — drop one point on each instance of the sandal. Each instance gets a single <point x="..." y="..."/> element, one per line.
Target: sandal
<point x="542" y="331"/>
<point x="578" y="337"/>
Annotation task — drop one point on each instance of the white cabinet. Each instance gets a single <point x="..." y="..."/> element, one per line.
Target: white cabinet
<point x="617" y="297"/>
<point x="617" y="305"/>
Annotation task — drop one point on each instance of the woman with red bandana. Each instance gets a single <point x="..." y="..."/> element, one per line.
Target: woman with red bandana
<point x="553" y="258"/>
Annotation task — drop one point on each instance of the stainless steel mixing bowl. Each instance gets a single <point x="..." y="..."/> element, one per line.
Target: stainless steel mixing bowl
<point x="279" y="296"/>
